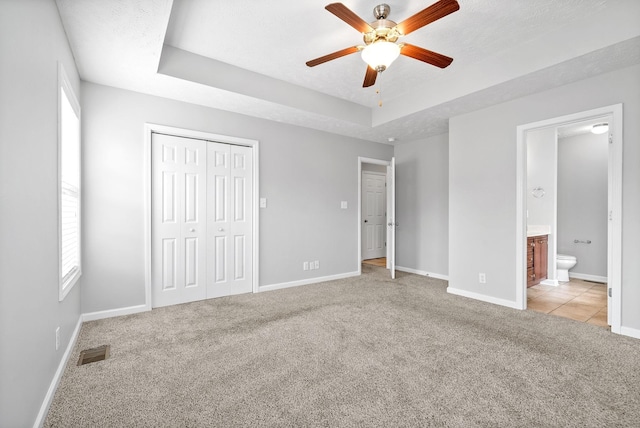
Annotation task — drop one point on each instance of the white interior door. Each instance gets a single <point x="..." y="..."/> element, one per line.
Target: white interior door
<point x="373" y="215"/>
<point x="178" y="220"/>
<point x="229" y="212"/>
<point x="610" y="194"/>
<point x="391" y="217"/>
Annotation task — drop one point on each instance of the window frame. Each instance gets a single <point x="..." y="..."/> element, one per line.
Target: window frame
<point x="65" y="90"/>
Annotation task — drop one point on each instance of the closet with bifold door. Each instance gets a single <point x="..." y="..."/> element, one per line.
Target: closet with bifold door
<point x="201" y="219"/>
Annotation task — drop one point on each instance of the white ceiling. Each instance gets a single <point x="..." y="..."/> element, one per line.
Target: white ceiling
<point x="249" y="57"/>
<point x="579" y="128"/>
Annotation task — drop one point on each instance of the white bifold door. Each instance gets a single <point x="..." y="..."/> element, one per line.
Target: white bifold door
<point x="201" y="220"/>
<point x="230" y="219"/>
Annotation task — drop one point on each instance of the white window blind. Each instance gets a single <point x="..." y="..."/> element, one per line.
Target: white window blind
<point x="69" y="148"/>
<point x="69" y="230"/>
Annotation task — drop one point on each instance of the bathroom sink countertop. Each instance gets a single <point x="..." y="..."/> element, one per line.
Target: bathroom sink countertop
<point x="538" y="230"/>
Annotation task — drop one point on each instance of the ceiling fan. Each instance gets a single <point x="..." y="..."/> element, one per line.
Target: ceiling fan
<point x="381" y="35"/>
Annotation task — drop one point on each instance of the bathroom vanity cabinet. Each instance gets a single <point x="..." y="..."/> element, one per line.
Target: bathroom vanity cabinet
<point x="537" y="248"/>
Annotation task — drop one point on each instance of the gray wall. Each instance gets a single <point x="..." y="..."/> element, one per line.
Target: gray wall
<point x="482" y="184"/>
<point x="422" y="199"/>
<point x="542" y="167"/>
<point x="304" y="174"/>
<point x="32" y="41"/>
<point x="582" y="201"/>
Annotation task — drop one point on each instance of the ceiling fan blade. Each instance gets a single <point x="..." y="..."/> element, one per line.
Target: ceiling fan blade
<point x="369" y="77"/>
<point x="426" y="16"/>
<point x="344" y="13"/>
<point x="334" y="55"/>
<point x="425" y="55"/>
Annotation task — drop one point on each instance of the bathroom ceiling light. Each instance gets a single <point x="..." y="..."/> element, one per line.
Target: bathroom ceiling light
<point x="600" y="128"/>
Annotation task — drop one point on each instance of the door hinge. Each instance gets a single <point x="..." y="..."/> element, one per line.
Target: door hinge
<point x="610" y="138"/>
<point x="610" y="292"/>
<point x="610" y="215"/>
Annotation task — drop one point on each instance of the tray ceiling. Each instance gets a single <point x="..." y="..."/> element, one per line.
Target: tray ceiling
<point x="249" y="57"/>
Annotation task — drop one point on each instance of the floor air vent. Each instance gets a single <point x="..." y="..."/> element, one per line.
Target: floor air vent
<point x="94" y="354"/>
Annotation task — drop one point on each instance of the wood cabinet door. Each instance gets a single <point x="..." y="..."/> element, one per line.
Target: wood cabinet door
<point x="540" y="258"/>
<point x="531" y="276"/>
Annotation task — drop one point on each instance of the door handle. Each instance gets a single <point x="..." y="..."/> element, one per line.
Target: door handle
<point x="192" y="230"/>
<point x="366" y="221"/>
<point x="220" y="229"/>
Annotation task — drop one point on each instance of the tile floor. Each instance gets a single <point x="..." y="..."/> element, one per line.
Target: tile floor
<point x="577" y="299"/>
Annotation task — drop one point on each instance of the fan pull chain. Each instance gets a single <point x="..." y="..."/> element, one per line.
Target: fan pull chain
<point x="379" y="91"/>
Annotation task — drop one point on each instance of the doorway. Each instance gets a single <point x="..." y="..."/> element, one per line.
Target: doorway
<point x="200" y="217"/>
<point x="382" y="206"/>
<point x="613" y="115"/>
<point x="568" y="165"/>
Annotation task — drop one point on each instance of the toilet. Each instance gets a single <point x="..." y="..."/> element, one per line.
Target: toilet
<point x="563" y="264"/>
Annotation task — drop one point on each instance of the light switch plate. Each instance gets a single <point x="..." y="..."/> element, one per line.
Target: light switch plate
<point x="343" y="205"/>
<point x="263" y="202"/>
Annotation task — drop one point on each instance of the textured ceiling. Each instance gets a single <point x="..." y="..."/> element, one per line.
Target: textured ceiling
<point x="277" y="37"/>
<point x="249" y="57"/>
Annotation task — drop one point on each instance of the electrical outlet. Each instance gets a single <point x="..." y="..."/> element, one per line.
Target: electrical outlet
<point x="482" y="277"/>
<point x="316" y="264"/>
<point x="305" y="266"/>
<point x="57" y="338"/>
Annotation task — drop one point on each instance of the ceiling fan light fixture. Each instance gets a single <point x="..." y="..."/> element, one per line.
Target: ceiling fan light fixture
<point x="379" y="55"/>
<point x="600" y="128"/>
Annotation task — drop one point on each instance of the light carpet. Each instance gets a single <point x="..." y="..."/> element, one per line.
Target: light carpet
<point x="360" y="352"/>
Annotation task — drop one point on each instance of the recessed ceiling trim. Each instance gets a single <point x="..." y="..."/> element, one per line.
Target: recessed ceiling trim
<point x="196" y="68"/>
<point x="118" y="43"/>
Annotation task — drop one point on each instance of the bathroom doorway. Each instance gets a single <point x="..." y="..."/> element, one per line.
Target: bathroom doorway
<point x="588" y="288"/>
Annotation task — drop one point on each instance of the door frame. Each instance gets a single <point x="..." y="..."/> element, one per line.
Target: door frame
<point x="614" y="238"/>
<point x="149" y="129"/>
<point x="362" y="160"/>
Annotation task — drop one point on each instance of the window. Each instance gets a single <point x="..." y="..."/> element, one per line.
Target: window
<point x="69" y="184"/>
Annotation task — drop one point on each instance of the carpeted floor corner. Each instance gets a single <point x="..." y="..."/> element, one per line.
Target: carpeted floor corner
<point x="358" y="352"/>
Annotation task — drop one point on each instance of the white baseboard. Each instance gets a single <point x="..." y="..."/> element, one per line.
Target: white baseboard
<point x="110" y="313"/>
<point x="423" y="273"/>
<point x="631" y="332"/>
<point x="307" y="281"/>
<point x="588" y="277"/>
<point x="482" y="297"/>
<point x="48" y="398"/>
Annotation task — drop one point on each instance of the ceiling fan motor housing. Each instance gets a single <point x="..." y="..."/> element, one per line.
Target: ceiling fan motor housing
<point x="381" y="11"/>
<point x="383" y="28"/>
